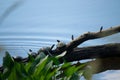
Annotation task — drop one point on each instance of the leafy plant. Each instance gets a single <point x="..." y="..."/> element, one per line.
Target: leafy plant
<point x="40" y="68"/>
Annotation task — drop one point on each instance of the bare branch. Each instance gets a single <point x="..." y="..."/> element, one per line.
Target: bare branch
<point x="87" y="36"/>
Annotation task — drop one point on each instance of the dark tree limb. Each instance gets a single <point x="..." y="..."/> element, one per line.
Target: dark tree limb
<point x="101" y="51"/>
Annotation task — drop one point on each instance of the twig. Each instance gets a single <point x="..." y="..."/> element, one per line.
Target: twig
<point x="101" y="28"/>
<point x="72" y="37"/>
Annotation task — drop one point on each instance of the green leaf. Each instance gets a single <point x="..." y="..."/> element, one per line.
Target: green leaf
<point x="47" y="68"/>
<point x="1" y="76"/>
<point x="53" y="73"/>
<point x="28" y="66"/>
<point x="8" y="61"/>
<point x="55" y="60"/>
<point x="65" y="65"/>
<point x="69" y="71"/>
<point x="8" y="64"/>
<point x="20" y="71"/>
<point x="40" y="66"/>
<point x="31" y="58"/>
<point x="13" y="75"/>
<point x="29" y="63"/>
<point x="34" y="64"/>
<point x="75" y="76"/>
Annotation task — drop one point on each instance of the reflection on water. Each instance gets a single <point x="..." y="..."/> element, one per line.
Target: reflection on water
<point x="20" y="43"/>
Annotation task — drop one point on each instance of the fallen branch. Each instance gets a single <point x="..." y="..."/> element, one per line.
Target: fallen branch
<point x="92" y="52"/>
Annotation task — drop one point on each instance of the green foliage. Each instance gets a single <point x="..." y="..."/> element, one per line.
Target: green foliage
<point x="40" y="68"/>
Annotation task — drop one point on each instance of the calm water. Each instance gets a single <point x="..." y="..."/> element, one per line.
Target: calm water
<point x="36" y="24"/>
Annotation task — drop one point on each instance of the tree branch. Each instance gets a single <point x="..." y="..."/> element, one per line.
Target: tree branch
<point x="87" y="36"/>
<point x="101" y="51"/>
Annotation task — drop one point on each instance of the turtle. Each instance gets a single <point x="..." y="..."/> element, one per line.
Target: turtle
<point x="32" y="53"/>
<point x="60" y="45"/>
<point x="45" y="50"/>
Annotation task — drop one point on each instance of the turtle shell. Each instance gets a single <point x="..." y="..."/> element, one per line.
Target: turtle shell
<point x="60" y="45"/>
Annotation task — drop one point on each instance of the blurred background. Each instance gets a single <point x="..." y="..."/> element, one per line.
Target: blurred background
<point x="34" y="24"/>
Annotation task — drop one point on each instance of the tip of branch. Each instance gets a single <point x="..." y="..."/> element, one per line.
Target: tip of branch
<point x="30" y="50"/>
<point x="72" y="37"/>
<point x="101" y="28"/>
<point x="52" y="47"/>
<point x="58" y="41"/>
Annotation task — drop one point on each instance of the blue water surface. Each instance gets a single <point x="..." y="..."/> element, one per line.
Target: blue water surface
<point x="32" y="24"/>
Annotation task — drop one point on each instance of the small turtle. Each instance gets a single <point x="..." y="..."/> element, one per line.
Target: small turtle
<point x="45" y="50"/>
<point x="32" y="53"/>
<point x="30" y="50"/>
<point x="60" y="45"/>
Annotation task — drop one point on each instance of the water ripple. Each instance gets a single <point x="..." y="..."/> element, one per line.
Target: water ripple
<point x="12" y="41"/>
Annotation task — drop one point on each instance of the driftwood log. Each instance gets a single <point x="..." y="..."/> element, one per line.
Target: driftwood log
<point x="107" y="55"/>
